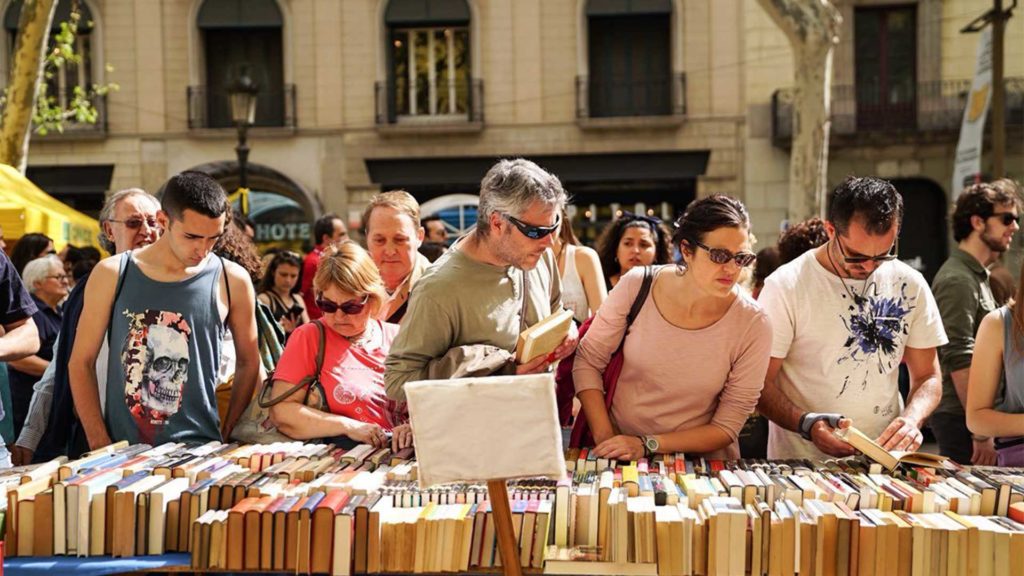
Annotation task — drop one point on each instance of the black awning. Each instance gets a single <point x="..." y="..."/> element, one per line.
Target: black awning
<point x="628" y="7"/>
<point x="426" y="12"/>
<point x="71" y="180"/>
<point x="239" y="14"/>
<point x="465" y="173"/>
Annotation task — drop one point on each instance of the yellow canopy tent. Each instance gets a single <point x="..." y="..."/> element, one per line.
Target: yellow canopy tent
<point x="25" y="208"/>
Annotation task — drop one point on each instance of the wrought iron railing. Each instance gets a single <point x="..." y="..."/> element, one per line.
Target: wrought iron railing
<point x="935" y="108"/>
<point x="437" y="102"/>
<point x="616" y="98"/>
<point x="209" y="108"/>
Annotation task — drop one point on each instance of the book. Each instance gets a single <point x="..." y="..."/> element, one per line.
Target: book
<point x="543" y="337"/>
<point x="887" y="458"/>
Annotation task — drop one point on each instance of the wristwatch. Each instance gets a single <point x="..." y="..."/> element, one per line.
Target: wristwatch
<point x="651" y="445"/>
<point x="809" y="419"/>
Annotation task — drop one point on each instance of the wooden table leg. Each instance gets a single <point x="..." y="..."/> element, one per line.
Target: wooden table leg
<point x="498" y="494"/>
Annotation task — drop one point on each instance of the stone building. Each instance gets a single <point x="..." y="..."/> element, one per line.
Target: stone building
<point x="635" y="104"/>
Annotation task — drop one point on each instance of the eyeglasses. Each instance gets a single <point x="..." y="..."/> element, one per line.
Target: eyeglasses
<point x="351" y="307"/>
<point x="891" y="255"/>
<point x="135" y="222"/>
<point x="60" y="277"/>
<point x="530" y="231"/>
<point x="723" y="256"/>
<point x="1006" y="218"/>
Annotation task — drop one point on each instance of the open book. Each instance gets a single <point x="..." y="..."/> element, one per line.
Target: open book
<point x="889" y="459"/>
<point x="543" y="337"/>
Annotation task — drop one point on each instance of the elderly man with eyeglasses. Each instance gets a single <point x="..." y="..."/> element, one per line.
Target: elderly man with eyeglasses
<point x="844" y="316"/>
<point x="127" y="221"/>
<point x="467" y="311"/>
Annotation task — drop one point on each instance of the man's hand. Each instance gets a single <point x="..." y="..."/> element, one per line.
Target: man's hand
<point x="901" y="434"/>
<point x="984" y="453"/>
<point x="621" y="447"/>
<point x="21" y="456"/>
<point x="824" y="439"/>
<point x="99" y="441"/>
<point x="401" y="437"/>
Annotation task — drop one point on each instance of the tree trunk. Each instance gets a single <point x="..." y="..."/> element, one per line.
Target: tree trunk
<point x="26" y="73"/>
<point x="812" y="27"/>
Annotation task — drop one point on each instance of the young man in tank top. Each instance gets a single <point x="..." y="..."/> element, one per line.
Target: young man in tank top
<point x="166" y="306"/>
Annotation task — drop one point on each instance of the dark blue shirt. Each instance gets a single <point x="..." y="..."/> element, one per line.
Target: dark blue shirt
<point x="15" y="302"/>
<point x="48" y="324"/>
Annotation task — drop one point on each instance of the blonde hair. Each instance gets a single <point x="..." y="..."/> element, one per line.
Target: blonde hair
<point x="349" y="267"/>
<point x="400" y="200"/>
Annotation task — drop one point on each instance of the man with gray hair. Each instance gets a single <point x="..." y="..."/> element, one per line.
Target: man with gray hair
<point x="466" y="312"/>
<point x="127" y="222"/>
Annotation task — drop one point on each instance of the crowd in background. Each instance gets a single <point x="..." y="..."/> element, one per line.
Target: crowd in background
<point x="684" y="339"/>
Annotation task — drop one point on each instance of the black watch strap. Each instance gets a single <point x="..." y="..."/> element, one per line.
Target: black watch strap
<point x="809" y="419"/>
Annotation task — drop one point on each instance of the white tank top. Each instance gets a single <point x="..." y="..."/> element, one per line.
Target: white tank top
<point x="574" y="297"/>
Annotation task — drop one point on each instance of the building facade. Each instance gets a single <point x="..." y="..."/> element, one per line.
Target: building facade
<point x="635" y="104"/>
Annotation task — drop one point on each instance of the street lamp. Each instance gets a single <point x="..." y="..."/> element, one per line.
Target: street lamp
<point x="243" y="111"/>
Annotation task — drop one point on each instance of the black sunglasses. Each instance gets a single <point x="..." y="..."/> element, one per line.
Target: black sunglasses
<point x="889" y="256"/>
<point x="1006" y="218"/>
<point x="135" y="222"/>
<point x="628" y="216"/>
<point x="723" y="256"/>
<point x="351" y="307"/>
<point x="530" y="231"/>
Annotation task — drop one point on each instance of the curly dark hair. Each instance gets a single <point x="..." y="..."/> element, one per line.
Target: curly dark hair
<point x="800" y="238"/>
<point x="28" y="248"/>
<point x="981" y="200"/>
<point x="766" y="263"/>
<point x="874" y="200"/>
<point x="608" y="242"/>
<point x="235" y="246"/>
<point x="705" y="215"/>
<point x="283" y="257"/>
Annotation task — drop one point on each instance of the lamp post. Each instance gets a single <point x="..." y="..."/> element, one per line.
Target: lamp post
<point x="243" y="111"/>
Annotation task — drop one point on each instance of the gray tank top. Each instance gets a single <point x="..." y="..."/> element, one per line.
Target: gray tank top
<point x="165" y="342"/>
<point x="1011" y="399"/>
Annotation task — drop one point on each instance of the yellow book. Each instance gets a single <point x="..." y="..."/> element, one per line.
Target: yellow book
<point x="889" y="459"/>
<point x="543" y="337"/>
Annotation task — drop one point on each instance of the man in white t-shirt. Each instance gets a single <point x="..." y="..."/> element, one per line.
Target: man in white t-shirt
<point x="845" y="315"/>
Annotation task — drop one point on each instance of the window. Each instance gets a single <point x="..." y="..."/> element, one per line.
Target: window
<point x="428" y="60"/>
<point x="629" y="58"/>
<point x="69" y="75"/>
<point x="239" y="39"/>
<point x="885" y="44"/>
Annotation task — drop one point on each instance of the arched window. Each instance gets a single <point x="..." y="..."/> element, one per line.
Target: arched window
<point x="630" y="59"/>
<point x="241" y="37"/>
<point x="428" y="60"/>
<point x="70" y="75"/>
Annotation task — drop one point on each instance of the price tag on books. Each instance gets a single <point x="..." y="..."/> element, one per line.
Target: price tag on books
<point x="479" y="429"/>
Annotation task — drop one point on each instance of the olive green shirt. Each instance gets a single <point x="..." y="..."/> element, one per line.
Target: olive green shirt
<point x="964" y="297"/>
<point x="463" y="303"/>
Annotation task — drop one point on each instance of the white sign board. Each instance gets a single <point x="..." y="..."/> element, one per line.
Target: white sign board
<point x="968" y="149"/>
<point x="491" y="428"/>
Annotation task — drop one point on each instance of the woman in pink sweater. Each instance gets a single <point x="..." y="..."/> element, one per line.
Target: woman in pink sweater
<point x="696" y="355"/>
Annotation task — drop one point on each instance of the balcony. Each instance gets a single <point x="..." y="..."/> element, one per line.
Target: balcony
<point x="74" y="129"/>
<point x="211" y="109"/>
<point x="631" y="103"/>
<point x="934" y="115"/>
<point x="441" y="106"/>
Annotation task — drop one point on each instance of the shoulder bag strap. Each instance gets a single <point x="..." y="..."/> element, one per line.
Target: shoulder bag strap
<point x="308" y="382"/>
<point x="641" y="296"/>
<point x="526" y="300"/>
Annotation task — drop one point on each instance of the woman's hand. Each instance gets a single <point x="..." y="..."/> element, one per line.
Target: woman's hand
<point x="367" y="433"/>
<point x="288" y="324"/>
<point x="621" y="447"/>
<point x="401" y="437"/>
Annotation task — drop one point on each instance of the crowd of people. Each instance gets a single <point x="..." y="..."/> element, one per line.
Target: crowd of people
<point x="186" y="333"/>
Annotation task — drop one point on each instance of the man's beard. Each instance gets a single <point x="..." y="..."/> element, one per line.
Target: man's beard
<point x="505" y="249"/>
<point x="996" y="244"/>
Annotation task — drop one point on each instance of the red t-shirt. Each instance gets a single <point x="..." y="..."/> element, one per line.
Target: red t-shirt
<point x="352" y="375"/>
<point x="309" y="266"/>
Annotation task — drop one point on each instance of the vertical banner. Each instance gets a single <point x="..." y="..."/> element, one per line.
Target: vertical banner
<point x="968" y="149"/>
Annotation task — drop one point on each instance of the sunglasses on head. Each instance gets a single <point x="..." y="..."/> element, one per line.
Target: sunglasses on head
<point x="723" y="256"/>
<point x="352" y="307"/>
<point x="1006" y="218"/>
<point x="887" y="257"/>
<point x="135" y="222"/>
<point x="651" y="221"/>
<point x="533" y="232"/>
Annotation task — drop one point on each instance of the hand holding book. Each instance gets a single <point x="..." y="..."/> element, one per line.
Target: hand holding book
<point x="901" y="434"/>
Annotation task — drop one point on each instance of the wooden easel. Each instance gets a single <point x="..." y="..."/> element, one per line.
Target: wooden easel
<point x="497" y="492"/>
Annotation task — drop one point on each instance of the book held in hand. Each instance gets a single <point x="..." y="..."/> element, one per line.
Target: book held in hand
<point x="887" y="458"/>
<point x="543" y="337"/>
